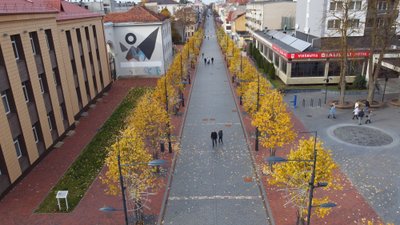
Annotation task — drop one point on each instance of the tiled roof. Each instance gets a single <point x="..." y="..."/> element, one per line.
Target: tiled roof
<point x="229" y="17"/>
<point x="237" y="14"/>
<point x="64" y="10"/>
<point x="73" y="11"/>
<point x="164" y="2"/>
<point x="135" y="14"/>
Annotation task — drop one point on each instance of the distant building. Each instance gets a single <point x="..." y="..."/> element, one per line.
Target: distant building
<point x="139" y="42"/>
<point x="171" y="5"/>
<point x="52" y="68"/>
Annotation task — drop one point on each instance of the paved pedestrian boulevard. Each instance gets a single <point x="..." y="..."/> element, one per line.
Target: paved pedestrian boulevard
<point x="213" y="185"/>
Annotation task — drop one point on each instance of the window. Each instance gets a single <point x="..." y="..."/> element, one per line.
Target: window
<point x="50" y="123"/>
<point x="355" y="23"/>
<point x="15" y="48"/>
<point x="333" y="24"/>
<point x="382" y="5"/>
<point x="355" y="5"/>
<point x="55" y="77"/>
<point x="35" y="134"/>
<point x="18" y="148"/>
<point x="32" y="43"/>
<point x="336" y="5"/>
<point x="25" y="90"/>
<point x="41" y="84"/>
<point x="5" y="103"/>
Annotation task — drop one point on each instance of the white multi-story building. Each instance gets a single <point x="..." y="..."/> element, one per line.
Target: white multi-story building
<point x="171" y="5"/>
<point x="322" y="18"/>
<point x="273" y="15"/>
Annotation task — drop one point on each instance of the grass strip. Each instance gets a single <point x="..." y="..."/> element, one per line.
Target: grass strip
<point x="87" y="166"/>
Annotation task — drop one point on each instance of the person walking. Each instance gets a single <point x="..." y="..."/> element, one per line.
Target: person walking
<point x="212" y="60"/>
<point x="214" y="137"/>
<point x="202" y="55"/>
<point x="356" y="108"/>
<point x="368" y="114"/>
<point x="205" y="61"/>
<point x="220" y="137"/>
<point x="355" y="112"/>
<point x="360" y="115"/>
<point x="332" y="111"/>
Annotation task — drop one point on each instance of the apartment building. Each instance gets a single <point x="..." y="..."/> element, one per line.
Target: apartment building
<point x="53" y="64"/>
<point x="270" y="14"/>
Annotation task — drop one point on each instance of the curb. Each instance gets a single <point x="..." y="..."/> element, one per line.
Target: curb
<point x="171" y="176"/>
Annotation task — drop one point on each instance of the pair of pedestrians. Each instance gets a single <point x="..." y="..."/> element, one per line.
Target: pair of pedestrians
<point x="359" y="113"/>
<point x="215" y="136"/>
<point x="207" y="60"/>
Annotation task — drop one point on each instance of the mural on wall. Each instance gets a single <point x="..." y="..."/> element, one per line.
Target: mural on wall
<point x="143" y="51"/>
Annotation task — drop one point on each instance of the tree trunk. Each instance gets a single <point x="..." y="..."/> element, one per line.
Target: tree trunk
<point x="299" y="218"/>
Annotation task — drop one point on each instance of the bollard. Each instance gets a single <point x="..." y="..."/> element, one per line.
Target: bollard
<point x="295" y="101"/>
<point x="304" y="103"/>
<point x="312" y="103"/>
<point x="240" y="100"/>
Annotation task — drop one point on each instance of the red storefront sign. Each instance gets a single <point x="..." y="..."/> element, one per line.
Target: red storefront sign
<point x="318" y="55"/>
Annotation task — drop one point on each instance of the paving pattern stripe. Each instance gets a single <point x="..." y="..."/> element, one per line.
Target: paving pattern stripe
<point x="210" y="123"/>
<point x="215" y="197"/>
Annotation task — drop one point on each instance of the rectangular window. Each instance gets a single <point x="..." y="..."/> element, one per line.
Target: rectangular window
<point x="336" y="5"/>
<point x="18" y="148"/>
<point x="333" y="24"/>
<point x="382" y="5"/>
<point x="55" y="77"/>
<point x="50" y="124"/>
<point x="41" y="84"/>
<point x="15" y="48"/>
<point x="32" y="43"/>
<point x="35" y="134"/>
<point x="355" y="23"/>
<point x="6" y="103"/>
<point x="25" y="90"/>
<point x="355" y="5"/>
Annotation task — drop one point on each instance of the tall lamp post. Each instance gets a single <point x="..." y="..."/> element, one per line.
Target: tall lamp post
<point x="258" y="107"/>
<point x="312" y="186"/>
<point x="157" y="162"/>
<point x="166" y="109"/>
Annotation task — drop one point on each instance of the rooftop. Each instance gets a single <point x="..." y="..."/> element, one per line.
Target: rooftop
<point x="135" y="14"/>
<point x="64" y="10"/>
<point x="164" y="2"/>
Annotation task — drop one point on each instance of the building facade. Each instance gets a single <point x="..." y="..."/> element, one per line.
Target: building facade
<point x="273" y="15"/>
<point x="139" y="42"/>
<point x="53" y="64"/>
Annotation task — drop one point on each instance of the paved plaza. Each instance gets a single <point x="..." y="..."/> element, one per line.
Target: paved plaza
<point x="214" y="185"/>
<point x="368" y="154"/>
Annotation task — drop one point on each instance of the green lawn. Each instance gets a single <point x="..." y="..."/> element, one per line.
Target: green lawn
<point x="87" y="166"/>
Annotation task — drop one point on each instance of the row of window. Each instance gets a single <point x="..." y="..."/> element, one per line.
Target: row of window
<point x="355" y="5"/>
<point x="336" y="24"/>
<point x="17" y="47"/>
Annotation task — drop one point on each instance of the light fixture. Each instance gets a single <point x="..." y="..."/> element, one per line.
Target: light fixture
<point x="41" y="29"/>
<point x="5" y="35"/>
<point x="62" y="30"/>
<point x="25" y="31"/>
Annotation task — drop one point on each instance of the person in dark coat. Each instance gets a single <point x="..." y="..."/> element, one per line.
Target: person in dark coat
<point x="212" y="60"/>
<point x="205" y="61"/>
<point x="220" y="137"/>
<point x="214" y="137"/>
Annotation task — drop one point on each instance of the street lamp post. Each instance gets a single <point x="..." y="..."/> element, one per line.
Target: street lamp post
<point x="258" y="106"/>
<point x="158" y="162"/>
<point x="166" y="108"/>
<point x="275" y="159"/>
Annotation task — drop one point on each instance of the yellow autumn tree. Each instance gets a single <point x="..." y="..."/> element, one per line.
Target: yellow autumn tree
<point x="250" y="96"/>
<point x="371" y="222"/>
<point x="165" y="12"/>
<point x="151" y="119"/>
<point x="294" y="176"/>
<point x="273" y="122"/>
<point x="133" y="156"/>
<point x="162" y="95"/>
